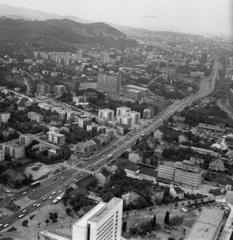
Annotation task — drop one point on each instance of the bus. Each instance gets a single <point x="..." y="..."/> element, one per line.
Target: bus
<point x="217" y="191"/>
<point x="35" y="184"/>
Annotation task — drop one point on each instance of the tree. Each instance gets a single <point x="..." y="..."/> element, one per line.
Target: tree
<point x="124" y="227"/>
<point x="68" y="211"/>
<point x="154" y="222"/>
<point x="166" y="219"/>
<point x="107" y="196"/>
<point x="133" y="230"/>
<point x="18" y="184"/>
<point x="176" y="204"/>
<point x="47" y="221"/>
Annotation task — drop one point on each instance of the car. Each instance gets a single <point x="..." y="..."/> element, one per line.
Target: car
<point x="21" y="215"/>
<point x="38" y="205"/>
<point x="117" y="145"/>
<point x="8" y="191"/>
<point x="12" y="199"/>
<point x="24" y="193"/>
<point x="103" y="155"/>
<point x="1" y="225"/>
<point x="34" y="190"/>
<point x="53" y="193"/>
<point x="60" y="191"/>
<point x="50" y="197"/>
<point x="44" y="199"/>
<point x="81" y="175"/>
<point x="74" y="180"/>
<point x="34" y="204"/>
<point x="66" y="185"/>
<point x="54" y="179"/>
<point x="24" y="211"/>
<point x="6" y="225"/>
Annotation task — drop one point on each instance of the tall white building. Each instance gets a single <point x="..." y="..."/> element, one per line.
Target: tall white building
<point x="126" y="120"/>
<point x="13" y="149"/>
<point x="104" y="57"/>
<point x="55" y="137"/>
<point x="26" y="139"/>
<point x="4" y="117"/>
<point x="59" y="89"/>
<point x="106" y="114"/>
<point x="103" y="222"/>
<point x="35" y="116"/>
<point x="135" y="117"/>
<point x="121" y="111"/>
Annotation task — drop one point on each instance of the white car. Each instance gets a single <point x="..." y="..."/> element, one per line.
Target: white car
<point x="21" y="215"/>
<point x="8" y="191"/>
<point x="6" y="225"/>
<point x="60" y="191"/>
<point x="24" y="193"/>
<point x="1" y="225"/>
<point x="53" y="193"/>
<point x="34" y="204"/>
<point x="50" y="197"/>
<point x="38" y="205"/>
<point x="24" y="211"/>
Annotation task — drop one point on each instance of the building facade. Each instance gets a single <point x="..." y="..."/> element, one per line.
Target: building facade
<point x="59" y="89"/>
<point x="104" y="57"/>
<point x="26" y="139"/>
<point x="121" y="111"/>
<point x="35" y="116"/>
<point x="184" y="173"/>
<point x="106" y="114"/>
<point x="4" y="117"/>
<point x="111" y="84"/>
<point x="103" y="222"/>
<point x="2" y="155"/>
<point x="85" y="148"/>
<point x="13" y="149"/>
<point x="43" y="89"/>
<point x="55" y="137"/>
<point x="144" y="91"/>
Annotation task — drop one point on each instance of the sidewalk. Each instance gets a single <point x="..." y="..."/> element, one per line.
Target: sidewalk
<point x="227" y="231"/>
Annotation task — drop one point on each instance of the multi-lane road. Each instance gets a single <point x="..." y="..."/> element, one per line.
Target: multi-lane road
<point x="69" y="176"/>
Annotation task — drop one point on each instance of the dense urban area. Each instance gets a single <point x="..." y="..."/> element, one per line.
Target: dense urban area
<point x="137" y="138"/>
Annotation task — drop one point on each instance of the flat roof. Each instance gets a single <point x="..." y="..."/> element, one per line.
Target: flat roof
<point x="82" y="222"/>
<point x="102" y="212"/>
<point x="206" y="224"/>
<point x="134" y="90"/>
<point x="137" y="87"/>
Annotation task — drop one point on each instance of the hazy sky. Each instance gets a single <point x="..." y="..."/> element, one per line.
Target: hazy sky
<point x="210" y="16"/>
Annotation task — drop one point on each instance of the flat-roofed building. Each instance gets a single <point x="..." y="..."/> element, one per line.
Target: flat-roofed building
<point x="109" y="83"/>
<point x="104" y="57"/>
<point x="35" y="116"/>
<point x="59" y="89"/>
<point x="43" y="89"/>
<point x="185" y="173"/>
<point x="121" y="111"/>
<point x="104" y="221"/>
<point x="134" y="94"/>
<point x="80" y="99"/>
<point x="13" y="149"/>
<point x="55" y="137"/>
<point x="207" y="225"/>
<point x="135" y="117"/>
<point x="148" y="113"/>
<point x="106" y="114"/>
<point x="26" y="139"/>
<point x="85" y="148"/>
<point x="4" y="117"/>
<point x="144" y="91"/>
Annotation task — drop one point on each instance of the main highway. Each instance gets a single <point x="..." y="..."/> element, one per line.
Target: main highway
<point x="51" y="188"/>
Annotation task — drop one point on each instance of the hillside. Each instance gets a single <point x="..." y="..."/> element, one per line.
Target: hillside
<point x="53" y="34"/>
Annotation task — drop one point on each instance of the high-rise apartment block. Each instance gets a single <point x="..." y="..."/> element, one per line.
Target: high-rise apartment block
<point x="184" y="173"/>
<point x="111" y="84"/>
<point x="203" y="58"/>
<point x="121" y="111"/>
<point x="26" y="139"/>
<point x="35" y="116"/>
<point x="85" y="148"/>
<point x="13" y="149"/>
<point x="103" y="222"/>
<point x="55" y="137"/>
<point x="148" y="113"/>
<point x="43" y="89"/>
<point x="107" y="114"/>
<point x="2" y="155"/>
<point x="104" y="57"/>
<point x="59" y="89"/>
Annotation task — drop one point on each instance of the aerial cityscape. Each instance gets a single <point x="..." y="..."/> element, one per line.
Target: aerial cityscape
<point x="116" y="120"/>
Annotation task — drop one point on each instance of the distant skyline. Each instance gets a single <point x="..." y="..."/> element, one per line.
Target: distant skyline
<point x="197" y="16"/>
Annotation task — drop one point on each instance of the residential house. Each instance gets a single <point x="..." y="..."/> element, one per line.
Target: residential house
<point x="182" y="138"/>
<point x="217" y="165"/>
<point x="13" y="176"/>
<point x="103" y="177"/>
<point x="176" y="192"/>
<point x="136" y="156"/>
<point x="158" y="134"/>
<point x="178" y="118"/>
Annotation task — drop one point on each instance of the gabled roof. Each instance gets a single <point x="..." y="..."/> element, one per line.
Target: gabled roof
<point x="105" y="173"/>
<point x="14" y="175"/>
<point x="217" y="164"/>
